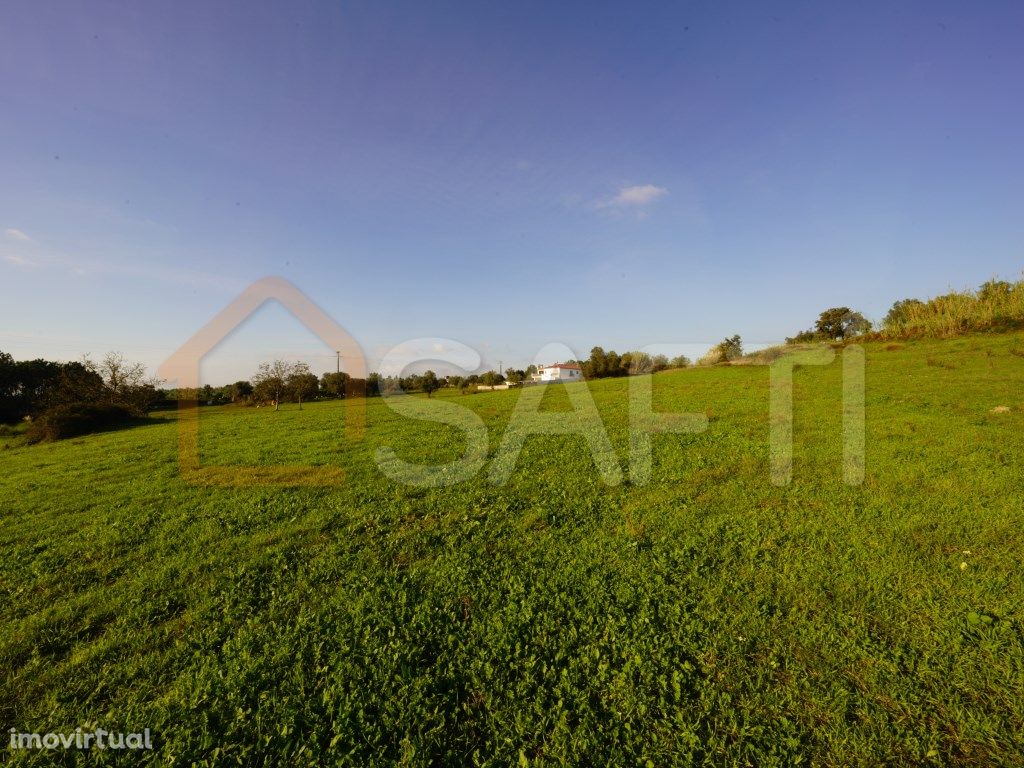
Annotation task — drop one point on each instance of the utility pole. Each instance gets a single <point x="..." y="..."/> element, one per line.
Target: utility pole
<point x="339" y="361"/>
<point x="500" y="369"/>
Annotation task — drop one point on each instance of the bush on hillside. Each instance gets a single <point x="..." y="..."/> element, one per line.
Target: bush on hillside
<point x="724" y="351"/>
<point x="75" y="419"/>
<point x="769" y="355"/>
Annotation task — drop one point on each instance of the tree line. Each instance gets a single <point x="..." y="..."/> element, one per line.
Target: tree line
<point x="281" y="381"/>
<point x="601" y="364"/>
<point x="66" y="399"/>
<point x="285" y="382"/>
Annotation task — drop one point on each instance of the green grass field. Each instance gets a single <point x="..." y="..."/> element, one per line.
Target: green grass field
<point x="706" y="618"/>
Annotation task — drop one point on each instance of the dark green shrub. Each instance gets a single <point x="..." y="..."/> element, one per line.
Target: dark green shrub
<point x="74" y="419"/>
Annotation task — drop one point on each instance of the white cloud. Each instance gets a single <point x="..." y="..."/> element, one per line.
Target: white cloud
<point x="19" y="261"/>
<point x="17" y="234"/>
<point x="635" y="197"/>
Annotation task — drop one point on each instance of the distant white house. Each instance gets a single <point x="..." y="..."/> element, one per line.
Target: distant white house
<point x="558" y="372"/>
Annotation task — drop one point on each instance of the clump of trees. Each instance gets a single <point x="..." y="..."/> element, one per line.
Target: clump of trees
<point x="335" y="384"/>
<point x="834" y="324"/>
<point x="469" y="384"/>
<point x="281" y="379"/>
<point x="603" y="364"/>
<point x="725" y="351"/>
<point x="239" y="392"/>
<point x="519" y="375"/>
<point x="68" y="399"/>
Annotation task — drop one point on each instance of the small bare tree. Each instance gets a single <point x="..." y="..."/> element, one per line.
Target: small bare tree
<point x="124" y="382"/>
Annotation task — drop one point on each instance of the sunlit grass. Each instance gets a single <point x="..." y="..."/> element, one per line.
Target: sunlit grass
<point x="706" y="617"/>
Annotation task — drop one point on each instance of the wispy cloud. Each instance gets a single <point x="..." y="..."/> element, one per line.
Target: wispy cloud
<point x="634" y="197"/>
<point x="17" y="234"/>
<point x="19" y="261"/>
<point x="155" y="272"/>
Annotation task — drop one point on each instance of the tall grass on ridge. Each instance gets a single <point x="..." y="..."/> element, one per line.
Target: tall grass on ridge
<point x="996" y="305"/>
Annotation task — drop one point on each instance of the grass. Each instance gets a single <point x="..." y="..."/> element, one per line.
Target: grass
<point x="707" y="617"/>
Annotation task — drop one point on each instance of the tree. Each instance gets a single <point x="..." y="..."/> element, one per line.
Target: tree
<point x="301" y="383"/>
<point x="724" y="351"/>
<point x="491" y="378"/>
<point x="429" y="382"/>
<point x="334" y="384"/>
<point x="637" y="363"/>
<point x="207" y="395"/>
<point x="239" y="391"/>
<point x="680" y="361"/>
<point x="355" y="387"/>
<point x="841" y="323"/>
<point x="901" y="312"/>
<point x="595" y="367"/>
<point x="125" y="383"/>
<point x="9" y="389"/>
<point x="30" y="382"/>
<point x="374" y="383"/>
<point x="75" y="384"/>
<point x="270" y="381"/>
<point x="731" y="347"/>
<point x="119" y="375"/>
<point x="613" y="365"/>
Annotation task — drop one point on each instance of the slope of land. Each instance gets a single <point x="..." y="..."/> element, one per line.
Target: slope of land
<point x="708" y="616"/>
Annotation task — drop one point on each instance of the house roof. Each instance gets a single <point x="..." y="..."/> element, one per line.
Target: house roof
<point x="569" y="366"/>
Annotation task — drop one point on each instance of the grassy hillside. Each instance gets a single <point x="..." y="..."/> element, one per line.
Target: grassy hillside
<point x="707" y="617"/>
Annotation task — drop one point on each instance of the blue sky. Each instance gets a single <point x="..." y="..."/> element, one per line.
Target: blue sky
<point x="505" y="176"/>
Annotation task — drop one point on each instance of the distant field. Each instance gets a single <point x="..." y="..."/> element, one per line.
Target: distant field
<point x="708" y="617"/>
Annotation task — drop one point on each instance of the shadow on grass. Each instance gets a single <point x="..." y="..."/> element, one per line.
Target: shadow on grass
<point x="66" y="422"/>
